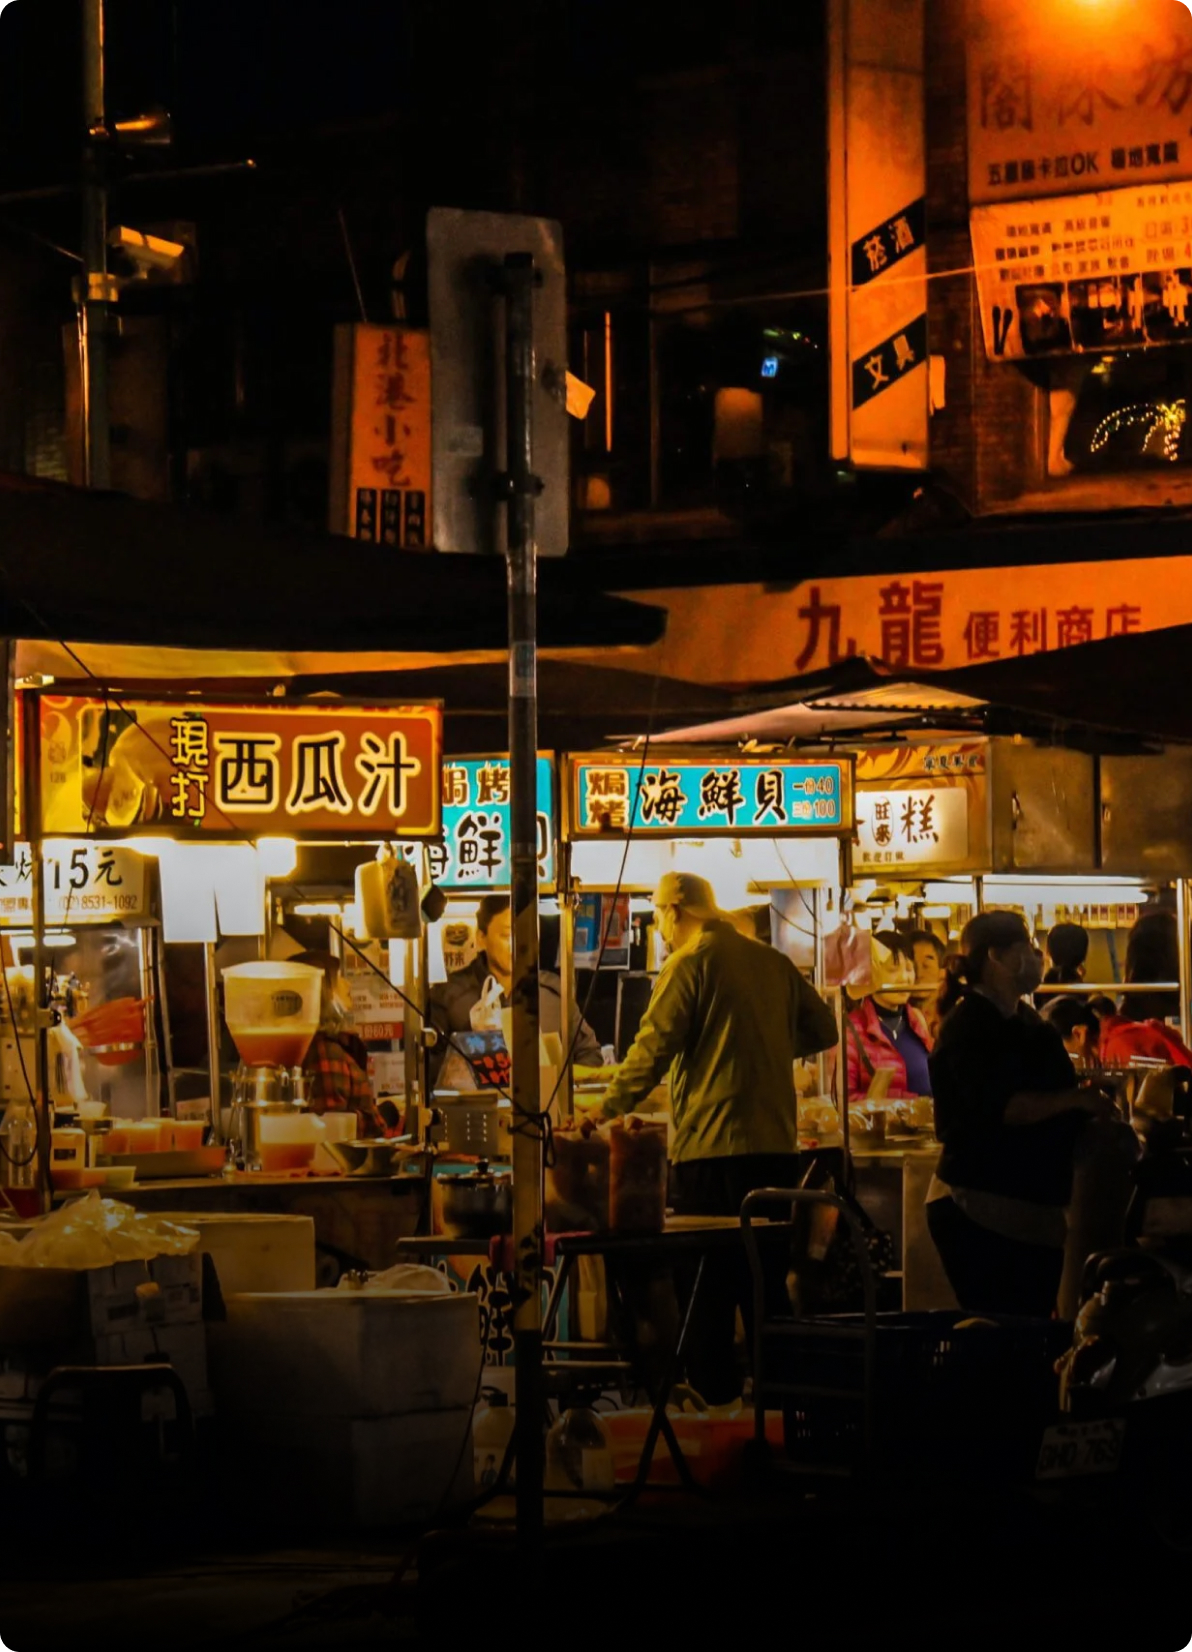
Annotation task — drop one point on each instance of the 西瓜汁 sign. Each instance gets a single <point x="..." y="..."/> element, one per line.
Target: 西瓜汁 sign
<point x="722" y="797"/>
<point x="474" y="853"/>
<point x="213" y="771"/>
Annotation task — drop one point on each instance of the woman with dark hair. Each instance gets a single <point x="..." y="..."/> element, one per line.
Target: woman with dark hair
<point x="1067" y="949"/>
<point x="1080" y="1028"/>
<point x="1153" y="954"/>
<point x="1009" y="1113"/>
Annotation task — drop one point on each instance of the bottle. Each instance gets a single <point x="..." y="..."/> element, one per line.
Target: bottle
<point x="491" y="1434"/>
<point x="579" y="1454"/>
<point x="18" y="1146"/>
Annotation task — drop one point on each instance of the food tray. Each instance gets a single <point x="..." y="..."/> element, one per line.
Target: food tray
<point x="158" y="1167"/>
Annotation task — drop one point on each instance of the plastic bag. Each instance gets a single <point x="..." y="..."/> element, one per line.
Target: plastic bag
<point x="403" y="1276"/>
<point x="486" y="1011"/>
<point x="94" y="1233"/>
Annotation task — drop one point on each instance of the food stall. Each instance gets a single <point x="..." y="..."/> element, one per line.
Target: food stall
<point x="771" y="835"/>
<point x="163" y="826"/>
<point x="949" y="828"/>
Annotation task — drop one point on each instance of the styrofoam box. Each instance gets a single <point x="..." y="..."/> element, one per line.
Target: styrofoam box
<point x="129" y="1295"/>
<point x="255" y="1252"/>
<point x="346" y="1353"/>
<point x="183" y="1346"/>
<point x="364" y="1471"/>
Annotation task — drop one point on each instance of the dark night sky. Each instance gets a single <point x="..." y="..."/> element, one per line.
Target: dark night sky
<point x="230" y="71"/>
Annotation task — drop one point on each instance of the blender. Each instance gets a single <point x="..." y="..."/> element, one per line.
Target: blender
<point x="272" y="1012"/>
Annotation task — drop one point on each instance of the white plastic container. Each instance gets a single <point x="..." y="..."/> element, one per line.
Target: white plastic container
<point x="492" y="1430"/>
<point x="347" y="1353"/>
<point x="272" y="1011"/>
<point x="253" y="1250"/>
<point x="289" y="1140"/>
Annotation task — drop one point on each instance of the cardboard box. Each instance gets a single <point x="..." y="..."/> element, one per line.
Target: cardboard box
<point x="182" y="1346"/>
<point x="168" y="1290"/>
<point x="65" y="1305"/>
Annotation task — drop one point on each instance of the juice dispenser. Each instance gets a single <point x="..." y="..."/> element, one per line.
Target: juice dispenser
<point x="272" y="1012"/>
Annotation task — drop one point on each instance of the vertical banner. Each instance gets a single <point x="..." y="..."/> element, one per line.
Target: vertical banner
<point x="381" y="413"/>
<point x="877" y="254"/>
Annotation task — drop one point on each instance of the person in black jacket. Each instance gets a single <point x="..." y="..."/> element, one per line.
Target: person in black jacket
<point x="451" y="1004"/>
<point x="1010" y="1113"/>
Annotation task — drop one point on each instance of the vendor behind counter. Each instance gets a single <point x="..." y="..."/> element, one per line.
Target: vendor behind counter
<point x="471" y="996"/>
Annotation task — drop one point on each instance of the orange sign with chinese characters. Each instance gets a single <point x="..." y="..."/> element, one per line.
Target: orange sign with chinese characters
<point x="389" y="465"/>
<point x="749" y="634"/>
<point x="188" y="770"/>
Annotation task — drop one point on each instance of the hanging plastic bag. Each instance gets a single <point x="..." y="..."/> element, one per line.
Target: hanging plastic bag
<point x="486" y="1011"/>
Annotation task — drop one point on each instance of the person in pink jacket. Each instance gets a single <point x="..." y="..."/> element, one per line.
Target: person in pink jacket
<point x="886" y="1030"/>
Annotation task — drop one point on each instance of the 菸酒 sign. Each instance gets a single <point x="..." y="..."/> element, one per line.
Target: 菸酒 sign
<point x="724" y="798"/>
<point x="192" y="770"/>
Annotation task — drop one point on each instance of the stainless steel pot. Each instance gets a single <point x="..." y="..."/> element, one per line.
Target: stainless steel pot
<point x="476" y="1206"/>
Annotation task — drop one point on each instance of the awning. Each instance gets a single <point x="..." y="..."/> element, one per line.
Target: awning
<point x="144" y="590"/>
<point x="1120" y="693"/>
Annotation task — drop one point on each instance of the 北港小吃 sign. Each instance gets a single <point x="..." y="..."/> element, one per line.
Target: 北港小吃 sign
<point x="85" y="883"/>
<point x="719" y="797"/>
<point x="191" y="770"/>
<point x="474" y="852"/>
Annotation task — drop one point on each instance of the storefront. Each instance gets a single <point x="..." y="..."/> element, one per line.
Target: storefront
<point x="771" y="836"/>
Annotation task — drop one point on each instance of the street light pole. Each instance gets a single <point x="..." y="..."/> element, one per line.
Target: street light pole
<point x="93" y="294"/>
<point x="518" y="280"/>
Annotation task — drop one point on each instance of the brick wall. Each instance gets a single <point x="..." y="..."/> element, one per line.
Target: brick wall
<point x="987" y="443"/>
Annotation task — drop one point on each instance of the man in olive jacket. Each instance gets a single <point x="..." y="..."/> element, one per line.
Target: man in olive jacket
<point x="728" y="1018"/>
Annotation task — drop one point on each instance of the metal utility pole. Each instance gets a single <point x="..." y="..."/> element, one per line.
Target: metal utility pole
<point x="93" y="295"/>
<point x="521" y="485"/>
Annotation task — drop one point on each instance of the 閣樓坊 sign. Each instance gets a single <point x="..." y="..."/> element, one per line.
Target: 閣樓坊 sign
<point x="197" y="771"/>
<point x="711" y="797"/>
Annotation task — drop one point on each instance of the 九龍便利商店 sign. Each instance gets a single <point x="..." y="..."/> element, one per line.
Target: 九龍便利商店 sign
<point x="723" y="797"/>
<point x="192" y="770"/>
<point x="937" y="621"/>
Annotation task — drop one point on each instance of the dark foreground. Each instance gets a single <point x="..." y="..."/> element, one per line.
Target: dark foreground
<point x="880" y="1567"/>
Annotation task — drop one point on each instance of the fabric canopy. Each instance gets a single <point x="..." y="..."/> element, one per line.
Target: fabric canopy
<point x="105" y="570"/>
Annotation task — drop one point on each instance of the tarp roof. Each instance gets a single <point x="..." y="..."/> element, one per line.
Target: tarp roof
<point x="144" y="586"/>
<point x="1121" y="691"/>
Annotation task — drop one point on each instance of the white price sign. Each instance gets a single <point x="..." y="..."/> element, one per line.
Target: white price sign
<point x="85" y="883"/>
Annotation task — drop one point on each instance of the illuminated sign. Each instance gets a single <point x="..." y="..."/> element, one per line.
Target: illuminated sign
<point x="721" y="798"/>
<point x="85" y="883"/>
<point x="191" y="770"/>
<point x="1055" y="108"/>
<point x="387" y="493"/>
<point x="909" y="829"/>
<point x="929" y="622"/>
<point x="474" y="853"/>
